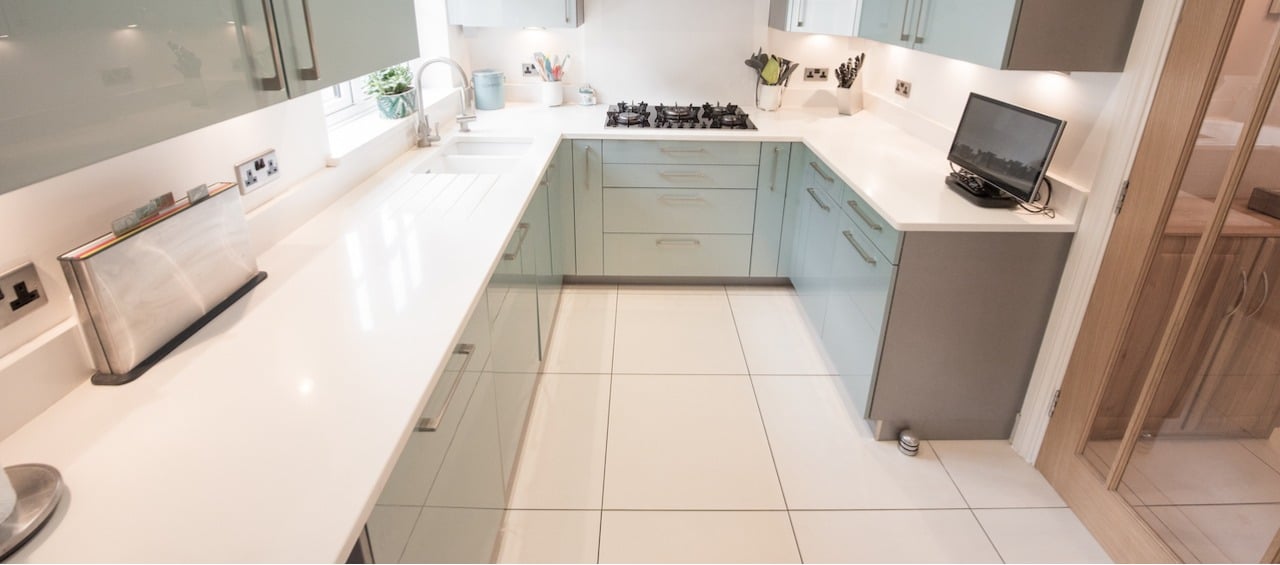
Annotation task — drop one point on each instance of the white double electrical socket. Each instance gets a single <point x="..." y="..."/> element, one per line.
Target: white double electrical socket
<point x="257" y="171"/>
<point x="20" y="293"/>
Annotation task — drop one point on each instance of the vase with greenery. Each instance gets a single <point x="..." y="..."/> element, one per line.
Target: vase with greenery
<point x="394" y="88"/>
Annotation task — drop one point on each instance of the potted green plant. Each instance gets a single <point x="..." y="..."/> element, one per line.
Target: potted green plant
<point x="394" y="88"/>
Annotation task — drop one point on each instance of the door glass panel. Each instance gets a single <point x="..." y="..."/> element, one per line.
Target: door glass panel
<point x="1205" y="469"/>
<point x="85" y="81"/>
<point x="1229" y="108"/>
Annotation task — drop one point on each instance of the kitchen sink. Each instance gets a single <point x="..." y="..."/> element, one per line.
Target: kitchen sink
<point x="475" y="156"/>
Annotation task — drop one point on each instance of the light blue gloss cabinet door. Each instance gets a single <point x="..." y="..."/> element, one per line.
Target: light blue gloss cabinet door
<point x="85" y="81"/>
<point x="324" y="42"/>
<point x="861" y="285"/>
<point x="771" y="199"/>
<point x="977" y="31"/>
<point x="888" y="21"/>
<point x="588" y="206"/>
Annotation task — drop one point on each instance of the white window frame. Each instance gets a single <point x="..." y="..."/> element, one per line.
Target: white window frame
<point x="346" y="101"/>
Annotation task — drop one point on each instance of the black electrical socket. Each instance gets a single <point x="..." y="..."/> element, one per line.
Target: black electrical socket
<point x="24" y="296"/>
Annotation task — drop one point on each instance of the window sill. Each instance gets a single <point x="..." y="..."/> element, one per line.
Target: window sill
<point x="354" y="133"/>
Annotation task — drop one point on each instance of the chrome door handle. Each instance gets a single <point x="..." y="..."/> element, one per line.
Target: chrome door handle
<point x="866" y="218"/>
<point x="820" y="173"/>
<point x="1266" y="295"/>
<point x="905" y="35"/>
<point x="275" y="81"/>
<point x="919" y="40"/>
<point x="863" y="252"/>
<point x="566" y="10"/>
<point x="679" y="242"/>
<point x="800" y="5"/>
<point x="312" y="72"/>
<point x="773" y="181"/>
<point x="814" y="196"/>
<point x="586" y="167"/>
<point x="1244" y="291"/>
<point x="523" y="228"/>
<point x="432" y="423"/>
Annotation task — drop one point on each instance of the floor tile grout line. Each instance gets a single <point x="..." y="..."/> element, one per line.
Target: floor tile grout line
<point x="1240" y="442"/>
<point x="969" y="506"/>
<point x="763" y="426"/>
<point x="608" y="418"/>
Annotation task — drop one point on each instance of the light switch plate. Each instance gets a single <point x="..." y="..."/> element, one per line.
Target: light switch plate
<point x="257" y="171"/>
<point x="20" y="294"/>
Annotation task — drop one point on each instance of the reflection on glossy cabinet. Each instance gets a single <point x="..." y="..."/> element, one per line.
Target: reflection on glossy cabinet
<point x="832" y="17"/>
<point x="99" y="79"/>
<point x="516" y="13"/>
<point x="324" y="42"/>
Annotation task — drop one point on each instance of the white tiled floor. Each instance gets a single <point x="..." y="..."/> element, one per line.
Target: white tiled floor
<point x="700" y="424"/>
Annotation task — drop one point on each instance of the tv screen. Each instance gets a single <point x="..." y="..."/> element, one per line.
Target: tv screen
<point x="1007" y="146"/>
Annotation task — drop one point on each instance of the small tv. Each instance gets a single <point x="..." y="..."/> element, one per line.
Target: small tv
<point x="1007" y="146"/>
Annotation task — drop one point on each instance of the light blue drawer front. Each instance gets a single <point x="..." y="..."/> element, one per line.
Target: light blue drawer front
<point x="818" y="175"/>
<point x="861" y="284"/>
<point x="887" y="239"/>
<point x="677" y="255"/>
<point x="681" y="152"/>
<point x="678" y="210"/>
<point x="684" y="176"/>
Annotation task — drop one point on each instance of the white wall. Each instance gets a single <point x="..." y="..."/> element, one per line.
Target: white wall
<point x="634" y="54"/>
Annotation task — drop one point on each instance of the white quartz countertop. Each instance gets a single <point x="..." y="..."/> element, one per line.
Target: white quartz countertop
<point x="901" y="176"/>
<point x="268" y="436"/>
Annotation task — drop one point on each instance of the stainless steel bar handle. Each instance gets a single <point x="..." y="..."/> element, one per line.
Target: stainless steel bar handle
<point x="312" y="72"/>
<point x="674" y="151"/>
<point x="523" y="228"/>
<point x="866" y="218"/>
<point x="863" y="252"/>
<point x="905" y="35"/>
<point x="800" y="6"/>
<point x="566" y="10"/>
<point x="678" y="198"/>
<point x="275" y="81"/>
<point x="773" y="181"/>
<point x="1244" y="291"/>
<point x="920" y="20"/>
<point x="682" y="174"/>
<point x="586" y="166"/>
<point x="818" y="169"/>
<point x="814" y="196"/>
<point x="432" y="423"/>
<point x="679" y="242"/>
<point x="1266" y="295"/>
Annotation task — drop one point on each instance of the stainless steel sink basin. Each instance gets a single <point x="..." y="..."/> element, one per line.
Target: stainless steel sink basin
<point x="475" y="156"/>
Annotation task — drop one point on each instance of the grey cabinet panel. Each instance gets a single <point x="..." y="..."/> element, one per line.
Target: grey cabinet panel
<point x="324" y="42"/>
<point x="86" y="81"/>
<point x="888" y="21"/>
<point x="964" y="330"/>
<point x="969" y="30"/>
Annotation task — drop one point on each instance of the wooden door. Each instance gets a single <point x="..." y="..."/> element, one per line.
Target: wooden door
<point x="1167" y="303"/>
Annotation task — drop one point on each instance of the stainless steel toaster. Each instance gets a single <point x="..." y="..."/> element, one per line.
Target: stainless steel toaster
<point x="141" y="293"/>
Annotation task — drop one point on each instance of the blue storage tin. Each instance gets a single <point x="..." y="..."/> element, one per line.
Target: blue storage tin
<point x="490" y="89"/>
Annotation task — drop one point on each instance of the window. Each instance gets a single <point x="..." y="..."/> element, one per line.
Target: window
<point x="346" y="100"/>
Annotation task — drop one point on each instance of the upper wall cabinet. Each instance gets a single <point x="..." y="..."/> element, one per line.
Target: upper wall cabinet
<point x="515" y="13"/>
<point x="1028" y="35"/>
<point x="325" y="42"/>
<point x="86" y="81"/>
<point x="833" y="17"/>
